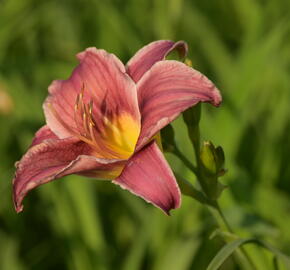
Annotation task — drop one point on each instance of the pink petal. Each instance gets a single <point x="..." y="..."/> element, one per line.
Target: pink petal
<point x="148" y="175"/>
<point x="150" y="54"/>
<point x="168" y="89"/>
<point x="52" y="159"/>
<point x="103" y="80"/>
<point x="44" y="133"/>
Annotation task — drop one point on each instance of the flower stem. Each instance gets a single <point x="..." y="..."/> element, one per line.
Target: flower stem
<point x="190" y="166"/>
<point x="223" y="218"/>
<point x="184" y="159"/>
<point x="194" y="135"/>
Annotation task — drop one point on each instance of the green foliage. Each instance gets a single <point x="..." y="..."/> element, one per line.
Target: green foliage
<point x="83" y="224"/>
<point x="229" y="248"/>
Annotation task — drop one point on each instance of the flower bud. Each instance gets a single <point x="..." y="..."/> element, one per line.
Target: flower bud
<point x="220" y="158"/>
<point x="212" y="161"/>
<point x="208" y="158"/>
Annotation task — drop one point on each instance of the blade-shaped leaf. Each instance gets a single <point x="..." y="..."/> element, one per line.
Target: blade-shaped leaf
<point x="229" y="249"/>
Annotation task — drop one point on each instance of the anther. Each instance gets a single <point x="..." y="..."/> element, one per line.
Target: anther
<point x="77" y="103"/>
<point x="91" y="107"/>
<point x="82" y="90"/>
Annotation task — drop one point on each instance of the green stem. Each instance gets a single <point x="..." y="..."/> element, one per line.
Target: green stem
<point x="190" y="166"/>
<point x="223" y="218"/>
<point x="184" y="159"/>
<point x="194" y="135"/>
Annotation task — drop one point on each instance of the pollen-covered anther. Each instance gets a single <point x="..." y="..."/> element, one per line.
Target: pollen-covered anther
<point x="76" y="107"/>
<point x="91" y="107"/>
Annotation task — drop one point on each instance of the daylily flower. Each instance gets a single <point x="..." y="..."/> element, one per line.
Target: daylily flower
<point x="102" y="122"/>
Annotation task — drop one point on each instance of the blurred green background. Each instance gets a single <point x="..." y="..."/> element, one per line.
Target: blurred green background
<point x="83" y="224"/>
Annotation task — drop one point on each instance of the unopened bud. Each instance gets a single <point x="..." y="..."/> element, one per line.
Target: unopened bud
<point x="207" y="157"/>
<point x="220" y="158"/>
<point x="212" y="161"/>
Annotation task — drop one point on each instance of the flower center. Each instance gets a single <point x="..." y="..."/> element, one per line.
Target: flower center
<point x="111" y="135"/>
<point x="121" y="134"/>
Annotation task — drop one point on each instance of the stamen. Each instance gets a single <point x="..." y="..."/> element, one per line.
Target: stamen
<point x="99" y="128"/>
<point x="91" y="107"/>
<point x="88" y="125"/>
<point x="82" y="90"/>
<point x="92" y="133"/>
<point x="90" y="111"/>
<point x="77" y="103"/>
<point x="76" y="112"/>
<point x="85" y="123"/>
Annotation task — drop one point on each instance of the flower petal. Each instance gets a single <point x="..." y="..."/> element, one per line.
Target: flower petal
<point x="44" y="133"/>
<point x="168" y="89"/>
<point x="101" y="81"/>
<point x="150" y="54"/>
<point x="148" y="175"/>
<point x="54" y="158"/>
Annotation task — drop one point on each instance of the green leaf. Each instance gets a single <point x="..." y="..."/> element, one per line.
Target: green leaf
<point x="229" y="249"/>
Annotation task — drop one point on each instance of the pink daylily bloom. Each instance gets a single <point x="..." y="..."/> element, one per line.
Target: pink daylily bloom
<point x="102" y="120"/>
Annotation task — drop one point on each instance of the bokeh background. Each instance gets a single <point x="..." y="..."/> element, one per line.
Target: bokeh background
<point x="84" y="224"/>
